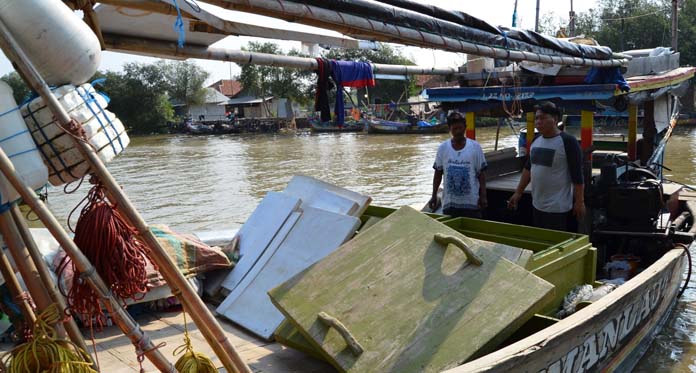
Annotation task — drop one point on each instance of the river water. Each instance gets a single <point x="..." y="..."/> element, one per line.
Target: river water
<point x="215" y="182"/>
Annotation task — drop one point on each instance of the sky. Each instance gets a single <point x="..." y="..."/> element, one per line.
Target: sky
<point x="496" y="12"/>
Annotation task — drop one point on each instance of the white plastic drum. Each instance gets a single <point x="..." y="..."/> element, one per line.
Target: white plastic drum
<point x="17" y="144"/>
<point x="59" y="44"/>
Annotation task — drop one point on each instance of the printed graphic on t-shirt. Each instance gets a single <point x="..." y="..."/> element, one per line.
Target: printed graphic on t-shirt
<point x="543" y="156"/>
<point x="458" y="179"/>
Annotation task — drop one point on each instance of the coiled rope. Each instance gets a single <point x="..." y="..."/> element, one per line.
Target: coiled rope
<point x="110" y="244"/>
<point x="45" y="353"/>
<point x="192" y="361"/>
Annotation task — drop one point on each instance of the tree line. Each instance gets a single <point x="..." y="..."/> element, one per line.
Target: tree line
<point x="633" y="24"/>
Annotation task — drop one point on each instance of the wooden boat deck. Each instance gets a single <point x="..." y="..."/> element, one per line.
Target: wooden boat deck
<point x="117" y="355"/>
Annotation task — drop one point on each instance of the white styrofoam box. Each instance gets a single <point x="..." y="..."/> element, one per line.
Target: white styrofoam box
<point x="106" y="154"/>
<point x="36" y="114"/>
<point x="82" y="113"/>
<point x="68" y="175"/>
<point x="107" y="150"/>
<point x="16" y="143"/>
<point x="93" y="132"/>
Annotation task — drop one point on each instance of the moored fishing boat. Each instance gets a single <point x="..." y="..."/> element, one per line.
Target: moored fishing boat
<point x="391" y="127"/>
<point x="348" y="126"/>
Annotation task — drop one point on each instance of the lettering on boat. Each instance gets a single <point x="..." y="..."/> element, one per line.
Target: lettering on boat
<point x="602" y="343"/>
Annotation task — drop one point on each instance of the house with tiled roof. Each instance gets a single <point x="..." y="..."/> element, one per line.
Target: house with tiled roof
<point x="228" y="87"/>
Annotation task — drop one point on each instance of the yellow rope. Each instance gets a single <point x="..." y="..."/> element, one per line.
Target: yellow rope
<point x="192" y="361"/>
<point x="45" y="353"/>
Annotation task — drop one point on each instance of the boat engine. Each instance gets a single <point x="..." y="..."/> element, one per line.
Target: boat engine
<point x="626" y="203"/>
<point x="631" y="202"/>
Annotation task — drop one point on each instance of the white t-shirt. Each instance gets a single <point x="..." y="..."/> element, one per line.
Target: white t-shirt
<point x="461" y="169"/>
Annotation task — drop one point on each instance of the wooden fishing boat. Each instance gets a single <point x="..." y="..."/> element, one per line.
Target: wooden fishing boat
<point x="608" y="334"/>
<point x="349" y="126"/>
<point x="390" y="127"/>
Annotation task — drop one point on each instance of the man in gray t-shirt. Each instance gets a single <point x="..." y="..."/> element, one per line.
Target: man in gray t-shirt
<point x="555" y="171"/>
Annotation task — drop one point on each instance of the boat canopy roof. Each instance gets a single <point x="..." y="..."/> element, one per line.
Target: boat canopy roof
<point x="585" y="96"/>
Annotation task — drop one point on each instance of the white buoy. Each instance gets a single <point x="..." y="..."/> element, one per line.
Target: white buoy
<point x="59" y="44"/>
<point x="16" y="142"/>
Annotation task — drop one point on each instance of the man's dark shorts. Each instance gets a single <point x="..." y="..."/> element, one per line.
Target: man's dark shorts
<point x="562" y="221"/>
<point x="463" y="213"/>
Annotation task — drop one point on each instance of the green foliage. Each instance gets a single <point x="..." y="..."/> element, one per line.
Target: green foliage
<point x="184" y="81"/>
<point x="687" y="31"/>
<point x="138" y="97"/>
<point x="634" y="24"/>
<point x="20" y="90"/>
<point x="384" y="91"/>
<point x="264" y="81"/>
<point x="620" y="24"/>
<point x="141" y="94"/>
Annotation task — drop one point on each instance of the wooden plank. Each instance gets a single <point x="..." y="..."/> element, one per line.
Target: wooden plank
<point x="258" y="231"/>
<point x="306" y="188"/>
<point x="316" y="234"/>
<point x="412" y="304"/>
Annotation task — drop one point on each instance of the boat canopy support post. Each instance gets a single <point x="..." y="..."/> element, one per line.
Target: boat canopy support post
<point x="70" y="325"/>
<point x="632" y="131"/>
<point x="586" y="127"/>
<point x="124" y="321"/>
<point x="26" y="266"/>
<point x="530" y="129"/>
<point x="192" y="303"/>
<point x="471" y="125"/>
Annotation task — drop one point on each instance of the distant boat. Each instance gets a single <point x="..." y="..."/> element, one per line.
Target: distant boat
<point x="198" y="129"/>
<point x="386" y="126"/>
<point x="349" y="126"/>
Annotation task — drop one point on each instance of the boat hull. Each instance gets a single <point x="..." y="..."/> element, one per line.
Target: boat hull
<point x="609" y="335"/>
<point x="382" y="127"/>
<point x="348" y="127"/>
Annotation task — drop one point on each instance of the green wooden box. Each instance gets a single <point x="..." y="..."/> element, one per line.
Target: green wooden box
<point x="561" y="258"/>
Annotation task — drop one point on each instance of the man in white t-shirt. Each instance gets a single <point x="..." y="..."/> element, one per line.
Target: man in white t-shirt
<point x="460" y="162"/>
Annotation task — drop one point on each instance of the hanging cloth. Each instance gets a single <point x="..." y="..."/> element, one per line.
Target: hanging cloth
<point x="603" y="75"/>
<point x="349" y="74"/>
<point x="321" y="98"/>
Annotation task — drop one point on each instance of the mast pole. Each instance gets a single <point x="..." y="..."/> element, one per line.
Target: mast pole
<point x="675" y="20"/>
<point x="536" y="19"/>
<point x="571" y="16"/>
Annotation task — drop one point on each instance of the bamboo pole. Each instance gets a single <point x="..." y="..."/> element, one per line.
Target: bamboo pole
<point x="201" y="315"/>
<point x="170" y="49"/>
<point x="26" y="266"/>
<point x="44" y="272"/>
<point x="16" y="290"/>
<point x="362" y="27"/>
<point x="121" y="318"/>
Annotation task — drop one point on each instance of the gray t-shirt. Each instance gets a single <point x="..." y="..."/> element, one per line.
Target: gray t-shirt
<point x="555" y="166"/>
